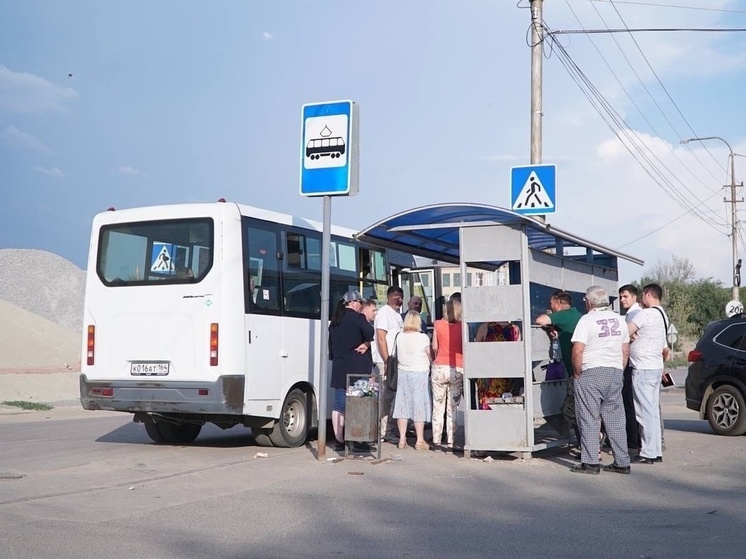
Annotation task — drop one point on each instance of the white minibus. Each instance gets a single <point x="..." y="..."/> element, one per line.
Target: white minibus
<point x="209" y="313"/>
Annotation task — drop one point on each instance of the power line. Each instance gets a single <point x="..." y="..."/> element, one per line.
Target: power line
<point x="663" y="227"/>
<point x="639" y="110"/>
<point x="617" y="125"/>
<point x="646" y="30"/>
<point x="663" y="87"/>
<point x="654" y="5"/>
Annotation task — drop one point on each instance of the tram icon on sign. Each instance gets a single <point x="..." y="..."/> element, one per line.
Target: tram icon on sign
<point x="325" y="145"/>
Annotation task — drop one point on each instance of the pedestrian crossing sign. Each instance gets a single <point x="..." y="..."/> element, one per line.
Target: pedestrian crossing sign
<point x="533" y="189"/>
<point x="162" y="261"/>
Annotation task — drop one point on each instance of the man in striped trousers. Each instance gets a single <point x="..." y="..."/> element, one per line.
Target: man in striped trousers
<point x="599" y="355"/>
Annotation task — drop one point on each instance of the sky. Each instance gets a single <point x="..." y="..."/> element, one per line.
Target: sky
<point x="126" y="104"/>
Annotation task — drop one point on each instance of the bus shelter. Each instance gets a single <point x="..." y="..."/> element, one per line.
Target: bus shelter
<point x="508" y="404"/>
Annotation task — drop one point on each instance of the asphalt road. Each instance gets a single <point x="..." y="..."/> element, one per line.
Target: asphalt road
<point x="88" y="485"/>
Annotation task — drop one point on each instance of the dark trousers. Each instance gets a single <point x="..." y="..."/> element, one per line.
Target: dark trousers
<point x="628" y="398"/>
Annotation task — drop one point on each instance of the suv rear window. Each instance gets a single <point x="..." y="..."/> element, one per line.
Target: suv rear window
<point x="732" y="336"/>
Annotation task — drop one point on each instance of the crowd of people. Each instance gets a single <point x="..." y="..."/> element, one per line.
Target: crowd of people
<point x="430" y="370"/>
<point x="613" y="364"/>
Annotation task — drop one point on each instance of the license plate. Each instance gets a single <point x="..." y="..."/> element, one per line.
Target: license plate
<point x="149" y="369"/>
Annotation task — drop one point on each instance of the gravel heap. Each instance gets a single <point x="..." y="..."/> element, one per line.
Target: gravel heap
<point x="44" y="284"/>
<point x="31" y="343"/>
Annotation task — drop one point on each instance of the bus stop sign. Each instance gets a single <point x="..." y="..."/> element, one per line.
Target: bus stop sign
<point x="329" y="149"/>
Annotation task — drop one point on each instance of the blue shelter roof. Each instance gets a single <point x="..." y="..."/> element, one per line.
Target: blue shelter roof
<point x="433" y="231"/>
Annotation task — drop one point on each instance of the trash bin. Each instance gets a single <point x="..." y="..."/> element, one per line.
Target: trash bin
<point x="362" y="411"/>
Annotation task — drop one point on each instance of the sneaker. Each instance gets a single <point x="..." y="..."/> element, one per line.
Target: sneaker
<point x="646" y="460"/>
<point x="617" y="469"/>
<point x="584" y="468"/>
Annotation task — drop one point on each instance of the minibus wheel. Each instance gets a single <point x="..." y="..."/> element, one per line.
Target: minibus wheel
<point x="178" y="433"/>
<point x="151" y="428"/>
<point x="291" y="430"/>
<point x="261" y="436"/>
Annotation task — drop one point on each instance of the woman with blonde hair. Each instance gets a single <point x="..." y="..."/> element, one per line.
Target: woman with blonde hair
<point x="414" y="355"/>
<point x="448" y="371"/>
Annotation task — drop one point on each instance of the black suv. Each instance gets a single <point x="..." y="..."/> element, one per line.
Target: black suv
<point x="716" y="382"/>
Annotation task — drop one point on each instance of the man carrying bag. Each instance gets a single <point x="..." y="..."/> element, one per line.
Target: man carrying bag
<point x="388" y="324"/>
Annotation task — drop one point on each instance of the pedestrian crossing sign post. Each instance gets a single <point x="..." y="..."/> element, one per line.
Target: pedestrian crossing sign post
<point x="533" y="189"/>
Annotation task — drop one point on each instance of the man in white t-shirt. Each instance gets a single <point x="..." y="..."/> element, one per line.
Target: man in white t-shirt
<point x="388" y="324"/>
<point x="599" y="354"/>
<point x="647" y="353"/>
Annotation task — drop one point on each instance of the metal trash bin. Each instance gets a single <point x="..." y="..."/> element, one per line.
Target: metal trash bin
<point x="362" y="413"/>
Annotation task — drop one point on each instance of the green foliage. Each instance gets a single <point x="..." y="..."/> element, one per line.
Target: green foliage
<point x="690" y="303"/>
<point x="35" y="406"/>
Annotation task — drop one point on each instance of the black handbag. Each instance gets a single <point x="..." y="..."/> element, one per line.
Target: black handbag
<point x="392" y="369"/>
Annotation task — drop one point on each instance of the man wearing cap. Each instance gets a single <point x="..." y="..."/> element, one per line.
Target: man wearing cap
<point x="350" y="336"/>
<point x="388" y="324"/>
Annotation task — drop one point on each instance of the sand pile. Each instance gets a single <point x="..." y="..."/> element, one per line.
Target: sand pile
<point x="41" y="311"/>
<point x="44" y="284"/>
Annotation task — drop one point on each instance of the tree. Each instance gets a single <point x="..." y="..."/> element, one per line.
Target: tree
<point x="690" y="303"/>
<point x="675" y="270"/>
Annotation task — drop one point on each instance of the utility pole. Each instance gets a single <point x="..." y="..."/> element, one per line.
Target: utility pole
<point x="537" y="46"/>
<point x="736" y="271"/>
<point x="734" y="227"/>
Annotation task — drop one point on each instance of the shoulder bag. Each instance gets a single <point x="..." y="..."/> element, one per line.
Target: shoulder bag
<point x="666" y="379"/>
<point x="392" y="369"/>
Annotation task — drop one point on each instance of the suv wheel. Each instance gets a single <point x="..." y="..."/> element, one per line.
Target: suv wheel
<point x="726" y="411"/>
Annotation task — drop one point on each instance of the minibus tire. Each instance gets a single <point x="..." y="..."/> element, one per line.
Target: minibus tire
<point x="291" y="429"/>
<point x="261" y="436"/>
<point x="151" y="428"/>
<point x="178" y="433"/>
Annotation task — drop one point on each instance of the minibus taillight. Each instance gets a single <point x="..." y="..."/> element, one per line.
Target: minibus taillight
<point x="91" y="344"/>
<point x="214" y="344"/>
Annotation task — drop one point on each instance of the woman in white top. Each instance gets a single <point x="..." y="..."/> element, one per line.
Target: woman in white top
<point x="414" y="355"/>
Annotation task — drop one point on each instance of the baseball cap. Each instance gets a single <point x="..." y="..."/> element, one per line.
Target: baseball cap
<point x="352" y="295"/>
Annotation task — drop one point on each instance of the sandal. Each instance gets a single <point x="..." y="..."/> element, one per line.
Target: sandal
<point x="401" y="445"/>
<point x="422" y="446"/>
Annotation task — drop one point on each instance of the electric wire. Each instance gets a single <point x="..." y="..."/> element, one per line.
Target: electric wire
<point x="631" y="142"/>
<point x="670" y="98"/>
<point x="639" y="110"/>
<point x="661" y="227"/>
<point x="680" y="7"/>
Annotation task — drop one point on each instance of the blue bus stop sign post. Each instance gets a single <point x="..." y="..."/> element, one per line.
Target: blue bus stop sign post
<point x="329" y="149"/>
<point x="533" y="189"/>
<point x="328" y="167"/>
